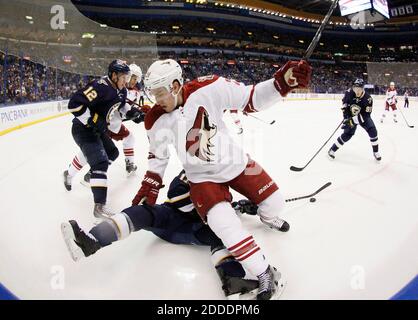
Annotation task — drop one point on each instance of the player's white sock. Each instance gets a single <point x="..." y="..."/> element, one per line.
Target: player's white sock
<point x="79" y="161"/>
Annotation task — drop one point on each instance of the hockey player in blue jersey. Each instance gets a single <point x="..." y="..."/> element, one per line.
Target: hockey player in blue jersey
<point x="357" y="109"/>
<point x="176" y="221"/>
<point x="93" y="108"/>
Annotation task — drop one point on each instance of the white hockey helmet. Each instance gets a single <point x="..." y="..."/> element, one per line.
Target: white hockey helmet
<point x="136" y="71"/>
<point x="162" y="74"/>
<point x="392" y="83"/>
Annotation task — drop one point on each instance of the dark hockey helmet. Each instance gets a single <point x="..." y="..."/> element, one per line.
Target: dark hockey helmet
<point x="118" y="66"/>
<point x="358" y="83"/>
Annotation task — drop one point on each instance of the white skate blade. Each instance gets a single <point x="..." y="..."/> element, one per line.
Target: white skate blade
<point x="69" y="238"/>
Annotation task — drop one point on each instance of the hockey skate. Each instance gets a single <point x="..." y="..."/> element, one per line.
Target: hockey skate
<point x="130" y="167"/>
<point x="240" y="130"/>
<point x="377" y="156"/>
<point x="102" y="212"/>
<point x="394" y="120"/>
<point x="79" y="243"/>
<point x="276" y="224"/>
<point x="271" y="284"/>
<point x="331" y="154"/>
<point x="67" y="181"/>
<point x="237" y="288"/>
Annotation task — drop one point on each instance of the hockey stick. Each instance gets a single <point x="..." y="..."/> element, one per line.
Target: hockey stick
<point x="306" y="56"/>
<point x="405" y="119"/>
<point x="269" y="123"/>
<point x="293" y="168"/>
<point x="318" y="34"/>
<point x="311" y="195"/>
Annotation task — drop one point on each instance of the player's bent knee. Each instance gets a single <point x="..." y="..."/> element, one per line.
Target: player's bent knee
<point x="100" y="166"/>
<point x="372" y="131"/>
<point x="272" y="206"/>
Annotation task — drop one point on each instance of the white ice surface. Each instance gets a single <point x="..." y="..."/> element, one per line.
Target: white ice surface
<point x="359" y="240"/>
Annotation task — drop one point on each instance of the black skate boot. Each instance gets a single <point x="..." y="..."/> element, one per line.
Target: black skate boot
<point x="79" y="243"/>
<point x="377" y="156"/>
<point x="276" y="224"/>
<point x="331" y="154"/>
<point x="67" y="181"/>
<point x="271" y="284"/>
<point x="130" y="167"/>
<point x="87" y="177"/>
<point x="237" y="288"/>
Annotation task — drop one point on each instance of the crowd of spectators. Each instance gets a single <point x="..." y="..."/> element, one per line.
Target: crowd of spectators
<point x="24" y="81"/>
<point x="187" y="31"/>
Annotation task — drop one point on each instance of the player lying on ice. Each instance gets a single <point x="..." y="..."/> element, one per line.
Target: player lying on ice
<point x="175" y="221"/>
<point x="189" y="116"/>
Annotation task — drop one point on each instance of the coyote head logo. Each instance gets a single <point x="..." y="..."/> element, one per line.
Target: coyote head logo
<point x="198" y="138"/>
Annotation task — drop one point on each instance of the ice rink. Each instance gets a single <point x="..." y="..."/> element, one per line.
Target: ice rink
<point x="359" y="240"/>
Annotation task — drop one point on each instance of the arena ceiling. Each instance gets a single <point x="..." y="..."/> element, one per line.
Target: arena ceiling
<point x="321" y="6"/>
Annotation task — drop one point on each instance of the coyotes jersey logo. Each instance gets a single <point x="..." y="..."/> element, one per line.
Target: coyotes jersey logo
<point x="198" y="137"/>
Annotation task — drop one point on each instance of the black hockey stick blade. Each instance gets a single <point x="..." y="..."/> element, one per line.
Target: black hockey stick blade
<point x="293" y="168"/>
<point x="310" y="195"/>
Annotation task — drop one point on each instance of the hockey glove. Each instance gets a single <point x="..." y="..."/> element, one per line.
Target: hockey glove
<point x="293" y="75"/>
<point x="149" y="190"/>
<point x="245" y="206"/>
<point x="97" y="124"/>
<point x="348" y="124"/>
<point x="135" y="115"/>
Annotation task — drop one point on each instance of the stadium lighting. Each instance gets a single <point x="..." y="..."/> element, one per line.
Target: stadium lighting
<point x="134" y="26"/>
<point x="28" y="17"/>
<point x="87" y="35"/>
<point x="103" y="25"/>
<point x="301" y="41"/>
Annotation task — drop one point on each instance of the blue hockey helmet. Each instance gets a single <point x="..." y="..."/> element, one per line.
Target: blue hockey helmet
<point x="358" y="83"/>
<point x="118" y="66"/>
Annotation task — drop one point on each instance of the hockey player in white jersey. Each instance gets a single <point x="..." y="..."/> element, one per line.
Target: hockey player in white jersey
<point x="391" y="101"/>
<point x="189" y="116"/>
